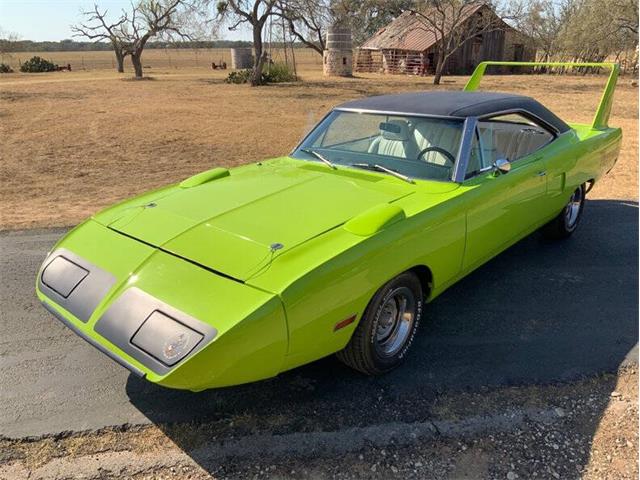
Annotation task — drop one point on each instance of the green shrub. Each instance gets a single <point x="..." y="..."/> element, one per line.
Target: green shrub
<point x="4" y="68"/>
<point x="274" y="73"/>
<point x="278" y="73"/>
<point x="37" y="65"/>
<point x="239" y="76"/>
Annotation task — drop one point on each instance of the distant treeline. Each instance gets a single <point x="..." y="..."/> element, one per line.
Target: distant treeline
<point x="74" y="46"/>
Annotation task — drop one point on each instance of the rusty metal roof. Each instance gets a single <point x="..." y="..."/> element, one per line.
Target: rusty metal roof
<point x="408" y="32"/>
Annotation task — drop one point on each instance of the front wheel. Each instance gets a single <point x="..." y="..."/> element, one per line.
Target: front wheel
<point x="386" y="330"/>
<point x="567" y="221"/>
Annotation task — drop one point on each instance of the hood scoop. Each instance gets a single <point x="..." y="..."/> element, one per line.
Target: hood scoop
<point x="204" y="177"/>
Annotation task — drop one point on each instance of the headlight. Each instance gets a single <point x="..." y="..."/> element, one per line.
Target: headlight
<point x="165" y="338"/>
<point x="63" y="276"/>
<point x="156" y="334"/>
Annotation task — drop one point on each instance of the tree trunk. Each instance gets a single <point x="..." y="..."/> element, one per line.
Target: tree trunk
<point x="136" y="60"/>
<point x="119" y="59"/>
<point x="439" y="67"/>
<point x="258" y="62"/>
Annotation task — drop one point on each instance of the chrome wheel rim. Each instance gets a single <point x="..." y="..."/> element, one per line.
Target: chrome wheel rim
<point x="395" y="321"/>
<point x="572" y="210"/>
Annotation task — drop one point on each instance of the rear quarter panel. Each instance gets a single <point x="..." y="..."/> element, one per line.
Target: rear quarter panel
<point x="579" y="156"/>
<point x="596" y="153"/>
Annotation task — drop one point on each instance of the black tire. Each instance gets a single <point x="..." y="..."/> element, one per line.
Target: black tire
<point x="568" y="219"/>
<point x="368" y="351"/>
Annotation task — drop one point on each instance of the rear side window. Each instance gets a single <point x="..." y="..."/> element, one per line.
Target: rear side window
<point x="512" y="136"/>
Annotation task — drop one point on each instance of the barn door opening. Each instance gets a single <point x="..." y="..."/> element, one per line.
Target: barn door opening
<point x="518" y="52"/>
<point x="476" y="51"/>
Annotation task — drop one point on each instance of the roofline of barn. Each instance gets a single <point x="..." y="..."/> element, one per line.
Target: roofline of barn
<point x="407" y="22"/>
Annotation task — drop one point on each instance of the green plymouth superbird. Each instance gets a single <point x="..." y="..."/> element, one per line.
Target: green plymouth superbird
<point x="236" y="275"/>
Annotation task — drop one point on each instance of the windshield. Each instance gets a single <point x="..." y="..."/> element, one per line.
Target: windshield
<point x="416" y="147"/>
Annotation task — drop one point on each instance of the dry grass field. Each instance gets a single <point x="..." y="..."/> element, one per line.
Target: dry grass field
<point x="153" y="59"/>
<point x="75" y="142"/>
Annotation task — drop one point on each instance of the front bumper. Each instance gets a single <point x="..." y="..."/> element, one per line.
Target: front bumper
<point x="121" y="295"/>
<point x="79" y="286"/>
<point x="136" y="371"/>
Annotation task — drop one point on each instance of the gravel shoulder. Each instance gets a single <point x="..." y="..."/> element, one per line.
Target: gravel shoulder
<point x="585" y="429"/>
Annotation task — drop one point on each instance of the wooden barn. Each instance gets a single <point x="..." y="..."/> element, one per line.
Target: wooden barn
<point x="407" y="46"/>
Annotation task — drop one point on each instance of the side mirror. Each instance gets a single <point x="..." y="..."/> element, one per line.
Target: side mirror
<point x="502" y="165"/>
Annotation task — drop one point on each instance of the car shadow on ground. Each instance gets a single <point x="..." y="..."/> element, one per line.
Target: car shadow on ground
<point x="539" y="313"/>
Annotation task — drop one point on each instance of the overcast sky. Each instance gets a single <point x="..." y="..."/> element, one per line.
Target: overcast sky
<point x="40" y="20"/>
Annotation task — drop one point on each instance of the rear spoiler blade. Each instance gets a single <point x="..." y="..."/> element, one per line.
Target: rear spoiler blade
<point x="601" y="118"/>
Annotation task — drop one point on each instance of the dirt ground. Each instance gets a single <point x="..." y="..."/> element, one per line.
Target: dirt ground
<point x="73" y="143"/>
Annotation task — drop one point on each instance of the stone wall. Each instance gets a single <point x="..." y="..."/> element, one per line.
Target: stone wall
<point x="337" y="63"/>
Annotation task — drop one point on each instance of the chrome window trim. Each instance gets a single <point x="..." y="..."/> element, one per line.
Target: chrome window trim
<point x="526" y="113"/>
<point x="480" y="146"/>
<point x="462" y="161"/>
<point x="393" y="112"/>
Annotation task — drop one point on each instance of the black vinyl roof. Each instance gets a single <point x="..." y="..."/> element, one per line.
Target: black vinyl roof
<point x="456" y="104"/>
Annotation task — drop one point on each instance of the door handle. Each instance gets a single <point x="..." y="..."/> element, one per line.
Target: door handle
<point x="542" y="173"/>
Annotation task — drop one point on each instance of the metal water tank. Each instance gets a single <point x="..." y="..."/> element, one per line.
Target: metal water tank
<point x="241" y="58"/>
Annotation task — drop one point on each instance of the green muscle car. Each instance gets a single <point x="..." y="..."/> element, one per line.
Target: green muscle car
<point x="235" y="275"/>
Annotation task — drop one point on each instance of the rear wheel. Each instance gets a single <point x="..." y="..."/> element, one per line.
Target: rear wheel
<point x="387" y="328"/>
<point x="567" y="221"/>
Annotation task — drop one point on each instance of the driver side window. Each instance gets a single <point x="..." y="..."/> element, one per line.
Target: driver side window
<point x="512" y="137"/>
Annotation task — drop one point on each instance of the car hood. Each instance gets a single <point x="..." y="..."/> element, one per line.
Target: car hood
<point x="237" y="224"/>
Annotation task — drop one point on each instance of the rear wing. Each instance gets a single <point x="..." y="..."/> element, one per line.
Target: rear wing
<point x="601" y="118"/>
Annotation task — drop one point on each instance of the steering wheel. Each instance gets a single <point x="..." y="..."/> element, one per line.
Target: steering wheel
<point x="441" y="151"/>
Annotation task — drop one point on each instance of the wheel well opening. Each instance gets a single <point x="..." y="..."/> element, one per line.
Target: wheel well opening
<point x="426" y="278"/>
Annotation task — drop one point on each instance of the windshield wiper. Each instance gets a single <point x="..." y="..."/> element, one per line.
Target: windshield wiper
<point x="380" y="168"/>
<point x="329" y="163"/>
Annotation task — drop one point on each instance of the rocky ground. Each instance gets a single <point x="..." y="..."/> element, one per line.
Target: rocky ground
<point x="579" y="430"/>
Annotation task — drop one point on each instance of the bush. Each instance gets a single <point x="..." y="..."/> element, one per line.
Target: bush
<point x="4" y="68"/>
<point x="239" y="76"/>
<point x="278" y="73"/>
<point x="274" y="73"/>
<point x="37" y="65"/>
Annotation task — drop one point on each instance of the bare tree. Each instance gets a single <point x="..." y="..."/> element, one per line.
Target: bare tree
<point x="625" y="13"/>
<point x="8" y="41"/>
<point x="255" y="13"/>
<point x="149" y="18"/>
<point x="97" y="28"/>
<point x="453" y="22"/>
<point x="307" y="21"/>
<point x="366" y="17"/>
<point x="598" y="29"/>
<point x="581" y="30"/>
<point x="129" y="35"/>
<point x="545" y="21"/>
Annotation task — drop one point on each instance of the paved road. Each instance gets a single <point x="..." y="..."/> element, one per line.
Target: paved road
<point x="539" y="313"/>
